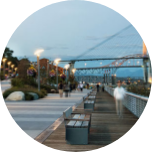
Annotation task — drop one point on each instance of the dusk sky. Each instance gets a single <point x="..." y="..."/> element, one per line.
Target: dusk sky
<point x="67" y="29"/>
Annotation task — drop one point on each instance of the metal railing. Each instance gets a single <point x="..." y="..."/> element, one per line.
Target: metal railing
<point x="134" y="103"/>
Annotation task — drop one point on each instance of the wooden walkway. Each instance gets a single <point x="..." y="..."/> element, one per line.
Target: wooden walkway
<point x="106" y="127"/>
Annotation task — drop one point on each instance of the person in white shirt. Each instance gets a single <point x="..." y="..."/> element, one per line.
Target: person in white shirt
<point x="119" y="95"/>
<point x="81" y="86"/>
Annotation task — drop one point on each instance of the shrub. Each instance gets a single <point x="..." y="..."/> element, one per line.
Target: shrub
<point x="2" y="77"/>
<point x="7" y="93"/>
<point x="26" y="90"/>
<point x="46" y="87"/>
<point x="17" y="82"/>
<point x="28" y="96"/>
<point x="44" y="92"/>
<point x="139" y="89"/>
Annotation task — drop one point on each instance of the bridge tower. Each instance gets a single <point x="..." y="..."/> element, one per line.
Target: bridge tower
<point x="146" y="61"/>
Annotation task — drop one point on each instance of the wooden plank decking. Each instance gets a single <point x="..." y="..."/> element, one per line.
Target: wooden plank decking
<point x="106" y="127"/>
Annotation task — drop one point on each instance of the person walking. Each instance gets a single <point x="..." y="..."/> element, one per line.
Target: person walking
<point x="71" y="87"/>
<point x="103" y="88"/>
<point x="81" y="87"/>
<point x="97" y="87"/>
<point x="67" y="90"/>
<point x="119" y="95"/>
<point x="87" y="85"/>
<point x="74" y="87"/>
<point x="60" y="89"/>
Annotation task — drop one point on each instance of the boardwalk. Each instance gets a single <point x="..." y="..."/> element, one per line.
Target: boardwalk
<point x="105" y="126"/>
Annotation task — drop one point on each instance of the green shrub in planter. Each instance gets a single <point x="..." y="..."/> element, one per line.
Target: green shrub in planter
<point x="46" y="87"/>
<point x="28" y="97"/>
<point x="2" y="77"/>
<point x="7" y="93"/>
<point x="16" y="82"/>
<point x="44" y="92"/>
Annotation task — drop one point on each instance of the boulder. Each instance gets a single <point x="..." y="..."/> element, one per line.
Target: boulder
<point x="34" y="95"/>
<point x="16" y="96"/>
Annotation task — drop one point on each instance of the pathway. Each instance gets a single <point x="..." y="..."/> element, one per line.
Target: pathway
<point x="35" y="116"/>
<point x="5" y="84"/>
<point x="106" y="127"/>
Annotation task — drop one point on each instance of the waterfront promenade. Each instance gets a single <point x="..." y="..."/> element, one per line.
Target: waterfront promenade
<point x="35" y="116"/>
<point x="106" y="127"/>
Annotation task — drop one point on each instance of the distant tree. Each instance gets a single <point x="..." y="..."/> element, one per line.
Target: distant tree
<point x="9" y="55"/>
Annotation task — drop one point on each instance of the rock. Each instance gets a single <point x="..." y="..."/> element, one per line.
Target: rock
<point x="16" y="96"/>
<point x="53" y="90"/>
<point x="34" y="95"/>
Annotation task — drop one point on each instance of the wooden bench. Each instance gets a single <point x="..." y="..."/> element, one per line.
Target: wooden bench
<point x="77" y="127"/>
<point x="91" y="98"/>
<point x="89" y="105"/>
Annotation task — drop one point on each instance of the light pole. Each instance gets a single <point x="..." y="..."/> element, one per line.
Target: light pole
<point x="15" y="70"/>
<point x="66" y="67"/>
<point x="56" y="61"/>
<point x="9" y="63"/>
<point x="4" y="61"/>
<point x="73" y="70"/>
<point x="12" y="66"/>
<point x="37" y="53"/>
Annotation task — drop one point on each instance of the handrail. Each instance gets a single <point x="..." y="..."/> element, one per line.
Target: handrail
<point x="133" y="102"/>
<point x="133" y="94"/>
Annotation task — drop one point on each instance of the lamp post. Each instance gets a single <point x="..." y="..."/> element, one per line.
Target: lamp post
<point x="4" y="61"/>
<point x="12" y="66"/>
<point x="15" y="70"/>
<point x="66" y="67"/>
<point x="37" y="53"/>
<point x="56" y="61"/>
<point x="114" y="79"/>
<point x="9" y="63"/>
<point x="73" y="70"/>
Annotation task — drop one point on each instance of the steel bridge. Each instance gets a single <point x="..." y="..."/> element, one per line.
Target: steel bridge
<point x="132" y="61"/>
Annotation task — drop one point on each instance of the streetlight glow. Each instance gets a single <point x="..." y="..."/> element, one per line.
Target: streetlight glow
<point x="4" y="60"/>
<point x="73" y="70"/>
<point x="66" y="66"/>
<point x="9" y="63"/>
<point x="38" y="52"/>
<point x="57" y="60"/>
<point x="12" y="66"/>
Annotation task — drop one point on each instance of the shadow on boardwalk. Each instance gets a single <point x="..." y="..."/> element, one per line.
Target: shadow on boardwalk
<point x="106" y="127"/>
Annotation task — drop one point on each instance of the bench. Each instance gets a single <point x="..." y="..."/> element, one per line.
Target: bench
<point x="89" y="104"/>
<point x="91" y="97"/>
<point x="77" y="128"/>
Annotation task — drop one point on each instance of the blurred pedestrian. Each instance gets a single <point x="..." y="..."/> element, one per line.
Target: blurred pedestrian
<point x="97" y="87"/>
<point x="87" y="85"/>
<point x="60" y="89"/>
<point x="103" y="88"/>
<point x="119" y="95"/>
<point x="66" y="89"/>
<point x="74" y="87"/>
<point x="71" y="87"/>
<point x="81" y="87"/>
<point x="78" y="88"/>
